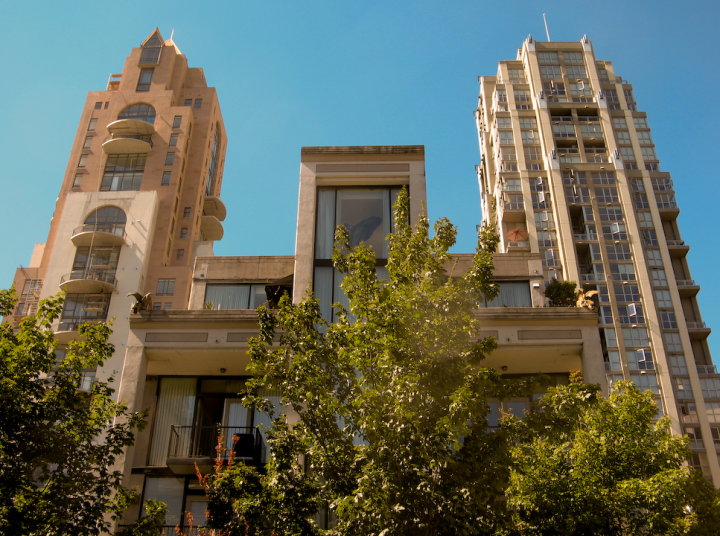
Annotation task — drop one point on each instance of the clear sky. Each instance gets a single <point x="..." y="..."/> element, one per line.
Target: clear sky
<point x="291" y="74"/>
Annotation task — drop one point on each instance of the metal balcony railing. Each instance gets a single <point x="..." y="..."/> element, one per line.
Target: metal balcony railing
<point x="685" y="282"/>
<point x="676" y="242"/>
<point x="75" y="323"/>
<point x="110" y="228"/>
<point x="696" y="325"/>
<point x="202" y="442"/>
<point x="104" y="276"/>
<point x="586" y="236"/>
<point x="707" y="369"/>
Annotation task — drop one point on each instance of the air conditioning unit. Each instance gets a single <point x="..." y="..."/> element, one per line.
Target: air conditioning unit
<point x="632" y="309"/>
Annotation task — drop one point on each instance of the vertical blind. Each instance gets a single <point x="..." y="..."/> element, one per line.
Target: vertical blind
<point x="176" y="405"/>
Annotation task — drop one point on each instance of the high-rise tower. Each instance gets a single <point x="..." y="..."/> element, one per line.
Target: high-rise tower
<point x="569" y="170"/>
<point x="139" y="199"/>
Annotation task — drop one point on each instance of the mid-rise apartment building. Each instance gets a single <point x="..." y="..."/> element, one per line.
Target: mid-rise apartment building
<point x="139" y="198"/>
<point x="569" y="170"/>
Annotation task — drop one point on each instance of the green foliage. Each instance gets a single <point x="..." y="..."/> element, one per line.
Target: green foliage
<point x="391" y="400"/>
<point x="58" y="443"/>
<point x="151" y="524"/>
<point x="561" y="293"/>
<point x="584" y="464"/>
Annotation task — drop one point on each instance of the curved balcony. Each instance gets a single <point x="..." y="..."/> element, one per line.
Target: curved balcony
<point x="131" y="126"/>
<point x="213" y="206"/>
<point x="127" y="143"/>
<point x="89" y="282"/>
<point x="99" y="235"/>
<point x="211" y="228"/>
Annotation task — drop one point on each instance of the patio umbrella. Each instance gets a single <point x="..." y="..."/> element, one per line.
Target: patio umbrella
<point x="517" y="235"/>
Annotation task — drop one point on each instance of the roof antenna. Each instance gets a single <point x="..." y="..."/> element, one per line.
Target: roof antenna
<point x="546" y="29"/>
<point x="173" y="32"/>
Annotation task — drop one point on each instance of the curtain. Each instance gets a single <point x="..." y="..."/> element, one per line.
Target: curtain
<point x="259" y="417"/>
<point x="228" y="296"/>
<point x="176" y="405"/>
<point x="168" y="490"/>
<point x="325" y="232"/>
<point x="363" y="212"/>
<point x="235" y="415"/>
<point x="323" y="284"/>
<point x="512" y="294"/>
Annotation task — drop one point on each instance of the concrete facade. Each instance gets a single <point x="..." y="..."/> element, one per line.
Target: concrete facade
<point x="569" y="170"/>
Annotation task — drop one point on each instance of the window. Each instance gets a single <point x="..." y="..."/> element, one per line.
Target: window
<point x="151" y="49"/>
<point x="529" y="137"/>
<point x="627" y="153"/>
<point x="168" y="305"/>
<point x="641" y="201"/>
<point x="710" y="387"/>
<point x="98" y="105"/>
<point x="622" y="272"/>
<point x="581" y="88"/>
<point x="658" y="277"/>
<point x="169" y="159"/>
<point x="550" y="258"/>
<point x="610" y="337"/>
<point x="576" y="71"/>
<point x="83" y="161"/>
<point x="619" y="122"/>
<point x="183" y="232"/>
<point x="603" y="75"/>
<point x="504" y="122"/>
<point x="165" y="178"/>
<point x="145" y="79"/>
<point x="180" y="254"/>
<point x="627" y="293"/>
<point x="506" y="137"/>
<point x="172" y="224"/>
<point x="538" y="185"/>
<point x="640" y="359"/>
<point x="635" y="337"/>
<point x="713" y="411"/>
<point x="677" y="364"/>
<point x="516" y="74"/>
<point x="532" y="153"/>
<point x="607" y="195"/>
<point x="229" y="296"/>
<point x="106" y="105"/>
<point x="123" y="172"/>
<point x="143" y="112"/>
<point x="188" y="102"/>
<point x="629" y="96"/>
<point x="605" y="315"/>
<point x="564" y="131"/>
<point x="77" y="180"/>
<point x="612" y="96"/>
<point x="540" y="200"/>
<point x="186" y="212"/>
<point x="527" y="122"/>
<point x="88" y="142"/>
<point x="644" y="137"/>
<point x="512" y="185"/>
<point x="92" y="124"/>
<point x="555" y="88"/>
<point x="612" y="361"/>
<point x="673" y="342"/>
<point x="603" y="177"/>
<point x="683" y="389"/>
<point x="573" y="57"/>
<point x="198" y="103"/>
<point x="522" y="95"/>
<point x="546" y="239"/>
<point x="645" y="219"/>
<point x="548" y="57"/>
<point x="646" y="382"/>
<point x="591" y="131"/>
<point x="177" y="121"/>
<point x="610" y="213"/>
<point x="667" y="320"/>
<point x="666" y="200"/>
<point x="512" y="294"/>
<point x="640" y="122"/>
<point x="637" y="185"/>
<point x="80" y="308"/>
<point x="631" y="314"/>
<point x="507" y="153"/>
<point x="648" y="153"/>
<point x="663" y="299"/>
<point x="165" y="287"/>
<point x="654" y="257"/>
<point x="544" y="220"/>
<point x="173" y="140"/>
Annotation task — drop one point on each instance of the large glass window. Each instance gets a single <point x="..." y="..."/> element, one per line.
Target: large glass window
<point x="80" y="308"/>
<point x="233" y="296"/>
<point x="512" y="294"/>
<point x="168" y="490"/>
<point x="367" y="214"/>
<point x="151" y="49"/>
<point x="145" y="79"/>
<point x="123" y="172"/>
<point x="143" y="112"/>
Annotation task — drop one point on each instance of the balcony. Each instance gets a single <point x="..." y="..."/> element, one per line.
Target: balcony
<point x="698" y="330"/>
<point x="213" y="206"/>
<point x="687" y="287"/>
<point x="585" y="237"/>
<point x="520" y="245"/>
<point x="99" y="235"/>
<point x="707" y="369"/>
<point x="190" y="445"/>
<point x="68" y="329"/>
<point x="89" y="281"/>
<point x="131" y="126"/>
<point x="211" y="228"/>
<point x="678" y="248"/>
<point x="114" y="82"/>
<point x="127" y="143"/>
<point x="592" y="278"/>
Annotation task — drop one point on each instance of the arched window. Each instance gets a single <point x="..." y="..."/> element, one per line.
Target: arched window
<point x="143" y="112"/>
<point x="109" y="219"/>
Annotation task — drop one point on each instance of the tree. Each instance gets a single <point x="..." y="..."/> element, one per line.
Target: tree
<point x="561" y="293"/>
<point x="390" y="402"/>
<point x="58" y="443"/>
<point x="584" y="464"/>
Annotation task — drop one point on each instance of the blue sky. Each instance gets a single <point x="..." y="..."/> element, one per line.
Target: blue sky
<point x="291" y="74"/>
